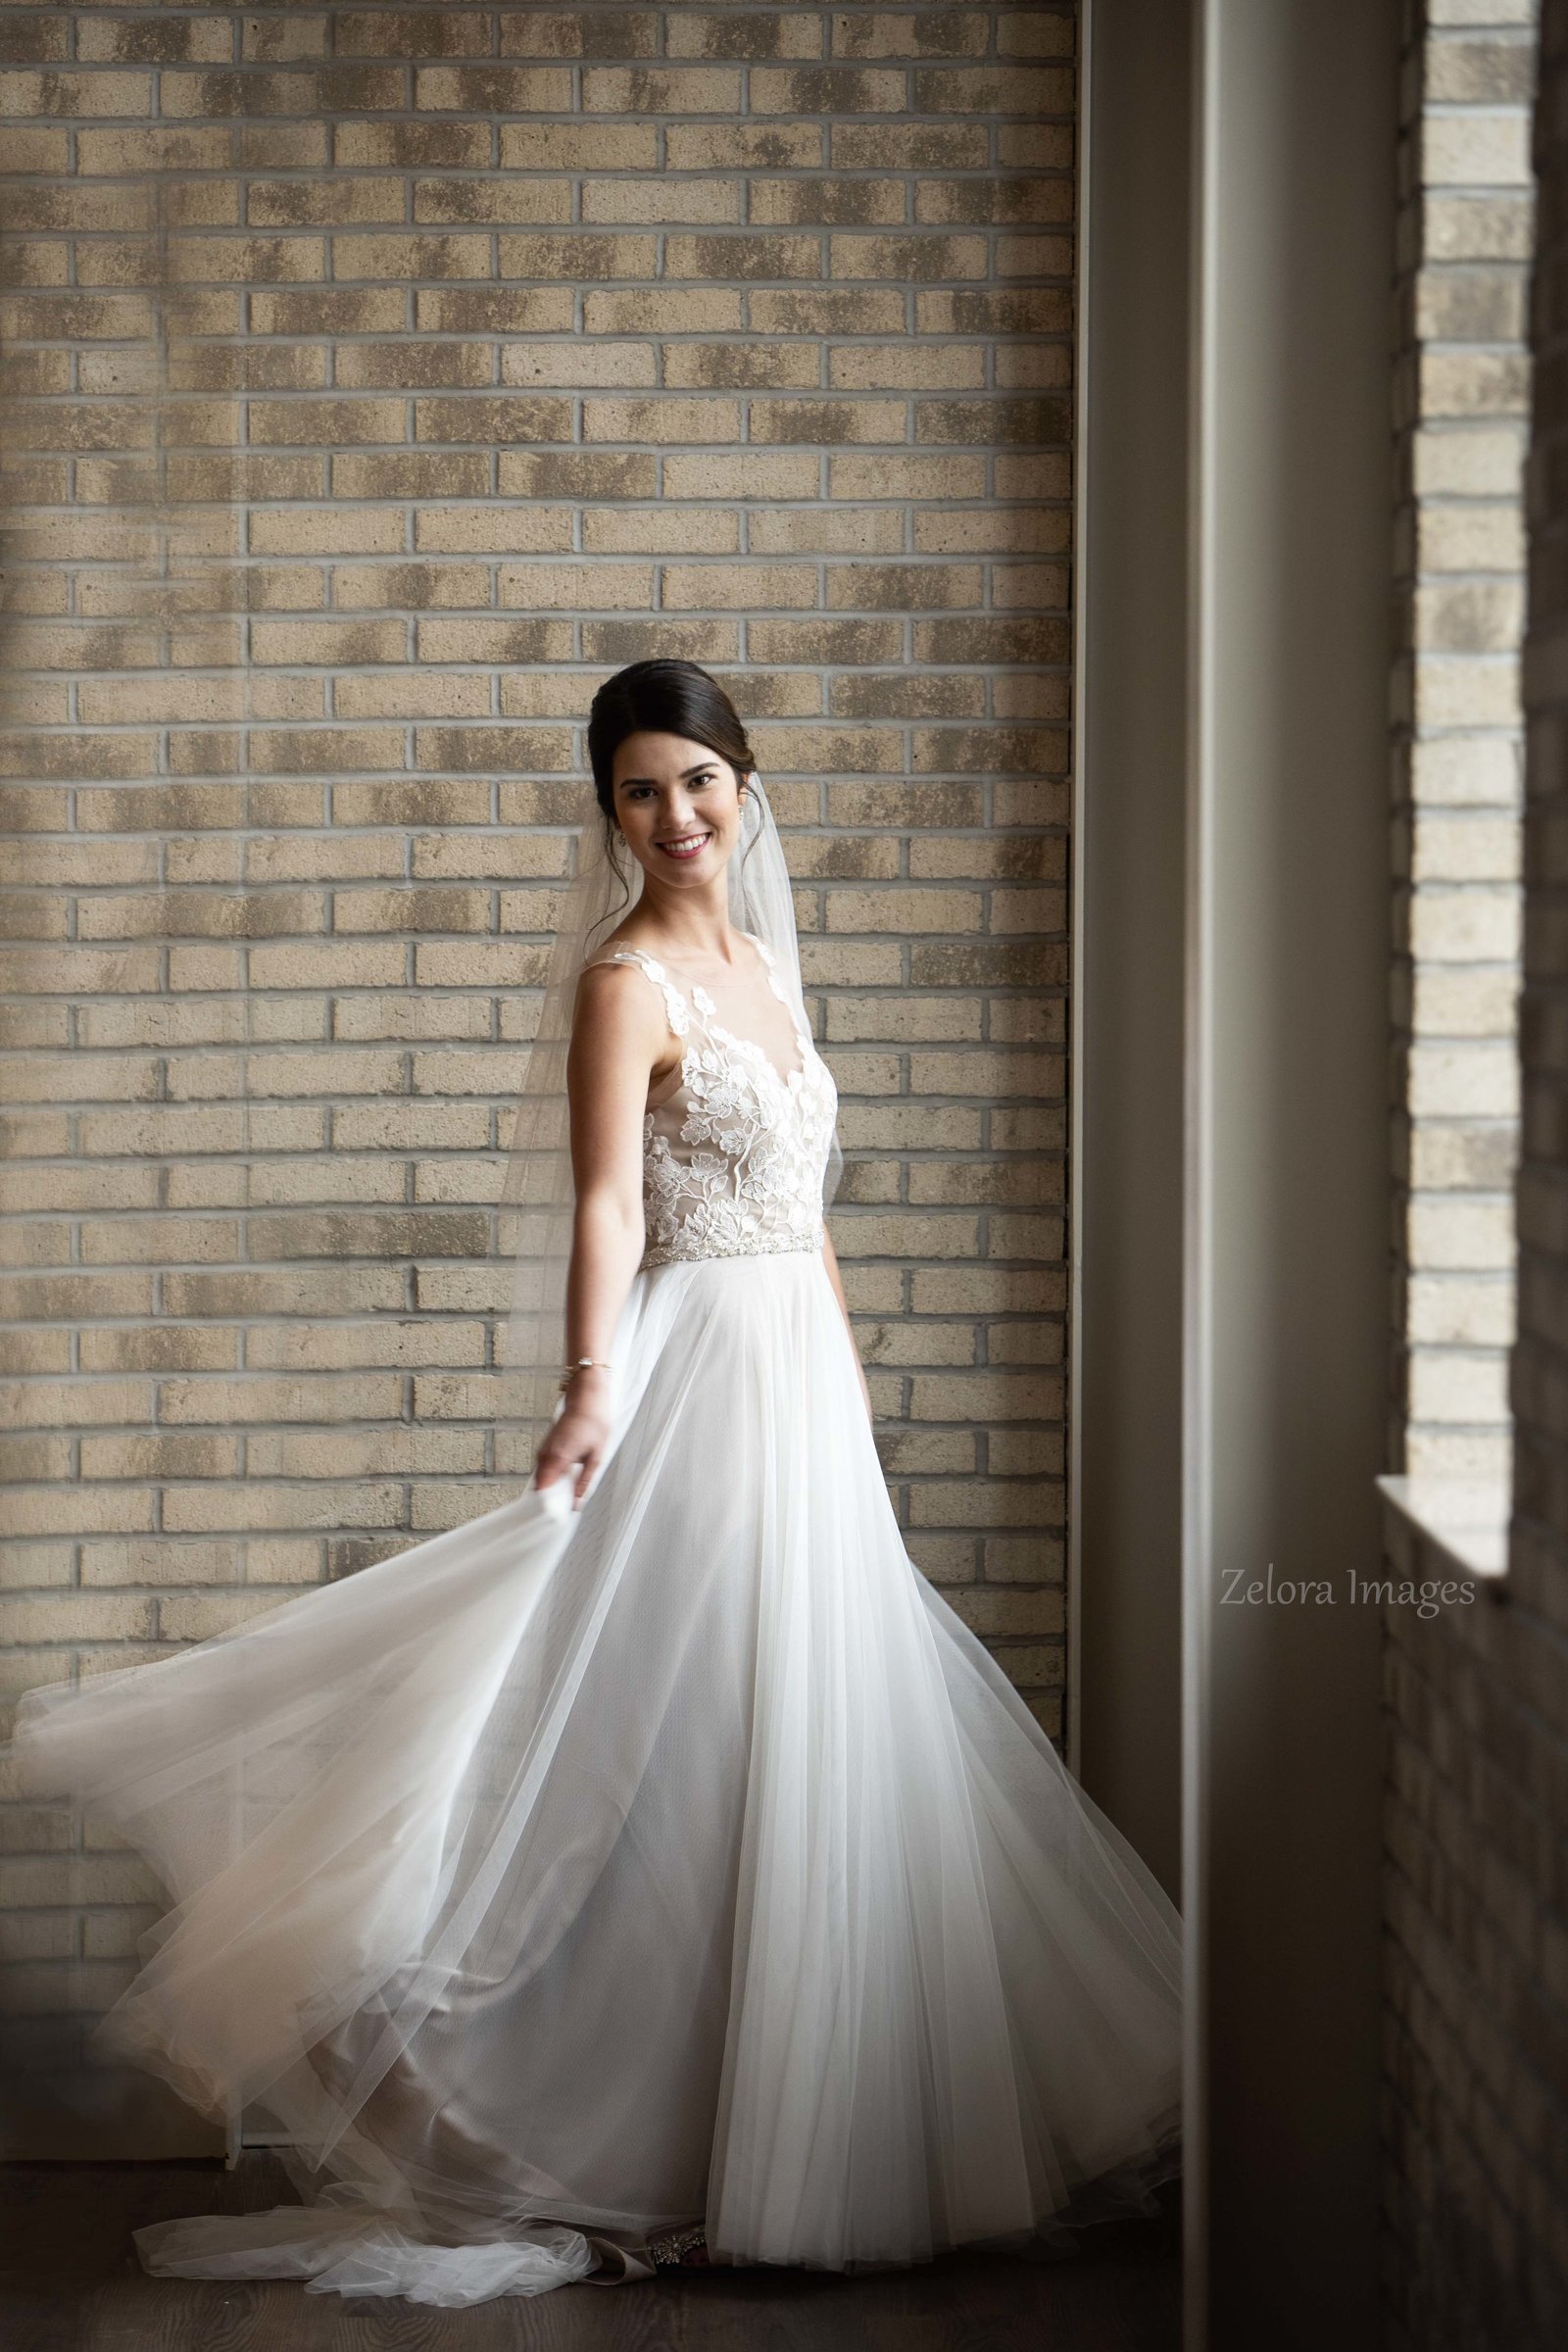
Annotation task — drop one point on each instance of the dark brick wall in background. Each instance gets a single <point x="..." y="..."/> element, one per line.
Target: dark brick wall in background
<point x="1475" y="1943"/>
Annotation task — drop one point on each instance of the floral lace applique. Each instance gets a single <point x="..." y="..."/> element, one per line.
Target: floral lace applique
<point x="675" y="1013"/>
<point x="733" y="1161"/>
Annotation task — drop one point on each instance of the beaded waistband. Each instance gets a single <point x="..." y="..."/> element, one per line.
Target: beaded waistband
<point x="676" y="1253"/>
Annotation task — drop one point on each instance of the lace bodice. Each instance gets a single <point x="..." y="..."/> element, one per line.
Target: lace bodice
<point x="733" y="1161"/>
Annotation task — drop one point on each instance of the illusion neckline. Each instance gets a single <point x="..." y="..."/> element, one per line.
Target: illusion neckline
<point x="702" y="1003"/>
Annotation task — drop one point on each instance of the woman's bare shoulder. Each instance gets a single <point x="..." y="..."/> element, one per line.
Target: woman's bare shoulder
<point x="621" y="1038"/>
<point x="615" y="1004"/>
<point x="630" y="933"/>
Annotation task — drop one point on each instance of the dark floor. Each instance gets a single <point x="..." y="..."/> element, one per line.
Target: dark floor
<point x="69" y="2282"/>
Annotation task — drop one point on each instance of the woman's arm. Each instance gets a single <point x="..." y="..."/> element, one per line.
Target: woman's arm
<point x="830" y="1262"/>
<point x="618" y="1037"/>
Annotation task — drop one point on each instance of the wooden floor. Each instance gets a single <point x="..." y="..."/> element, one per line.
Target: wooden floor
<point x="69" y="2282"/>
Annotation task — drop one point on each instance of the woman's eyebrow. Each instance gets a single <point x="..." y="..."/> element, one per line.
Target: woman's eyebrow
<point x="685" y="773"/>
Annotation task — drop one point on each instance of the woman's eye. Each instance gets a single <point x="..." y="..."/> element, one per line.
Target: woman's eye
<point x="645" y="792"/>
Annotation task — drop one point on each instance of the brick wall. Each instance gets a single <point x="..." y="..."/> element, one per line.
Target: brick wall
<point x="1461" y="399"/>
<point x="1475" y="2092"/>
<point x="374" y="383"/>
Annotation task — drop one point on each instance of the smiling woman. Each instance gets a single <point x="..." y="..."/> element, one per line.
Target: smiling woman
<point x="656" y="1870"/>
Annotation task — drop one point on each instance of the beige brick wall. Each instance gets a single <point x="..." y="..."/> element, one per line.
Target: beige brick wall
<point x="1475" y="1944"/>
<point x="376" y="381"/>
<point x="1462" y="408"/>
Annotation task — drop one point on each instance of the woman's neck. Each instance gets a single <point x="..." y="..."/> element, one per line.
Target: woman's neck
<point x="692" y="932"/>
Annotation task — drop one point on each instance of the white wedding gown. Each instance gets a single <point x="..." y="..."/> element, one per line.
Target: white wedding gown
<point x="570" y="1878"/>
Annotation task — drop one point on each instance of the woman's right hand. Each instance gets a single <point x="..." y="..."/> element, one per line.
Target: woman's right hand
<point x="574" y="1444"/>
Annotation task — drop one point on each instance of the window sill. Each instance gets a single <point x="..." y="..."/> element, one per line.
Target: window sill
<point x="1466" y="1519"/>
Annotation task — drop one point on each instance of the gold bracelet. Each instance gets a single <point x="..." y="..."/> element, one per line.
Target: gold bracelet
<point x="585" y="1363"/>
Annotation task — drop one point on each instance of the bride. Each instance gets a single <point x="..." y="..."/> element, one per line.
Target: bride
<point x="655" y="1869"/>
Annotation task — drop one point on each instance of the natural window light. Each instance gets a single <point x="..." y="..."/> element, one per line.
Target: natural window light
<point x="1462" y="414"/>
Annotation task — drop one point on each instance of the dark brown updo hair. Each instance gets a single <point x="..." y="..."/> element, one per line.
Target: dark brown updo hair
<point x="662" y="698"/>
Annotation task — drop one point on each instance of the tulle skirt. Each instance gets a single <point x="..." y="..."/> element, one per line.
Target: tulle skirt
<point x="573" y="1877"/>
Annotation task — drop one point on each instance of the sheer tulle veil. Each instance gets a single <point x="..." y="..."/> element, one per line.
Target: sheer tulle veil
<point x="534" y="1228"/>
